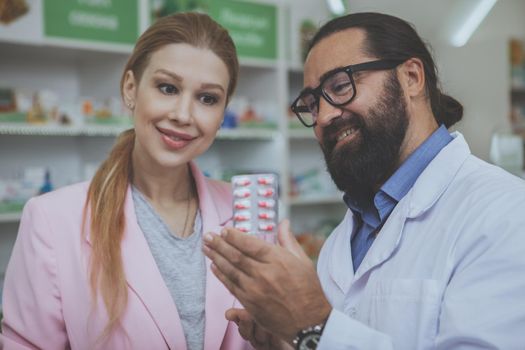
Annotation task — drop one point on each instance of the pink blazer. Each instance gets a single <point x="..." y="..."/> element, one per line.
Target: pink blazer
<point x="47" y="301"/>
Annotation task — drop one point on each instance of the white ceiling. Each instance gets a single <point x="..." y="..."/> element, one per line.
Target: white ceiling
<point x="435" y="19"/>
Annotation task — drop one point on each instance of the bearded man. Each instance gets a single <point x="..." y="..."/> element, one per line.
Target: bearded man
<point x="431" y="252"/>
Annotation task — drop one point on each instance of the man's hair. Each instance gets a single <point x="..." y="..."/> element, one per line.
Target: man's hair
<point x="389" y="37"/>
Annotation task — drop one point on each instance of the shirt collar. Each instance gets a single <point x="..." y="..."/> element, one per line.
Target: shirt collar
<point x="398" y="185"/>
<point x="404" y="178"/>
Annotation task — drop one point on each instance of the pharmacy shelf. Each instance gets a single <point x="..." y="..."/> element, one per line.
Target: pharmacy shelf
<point x="248" y="134"/>
<point x="10" y="217"/>
<point x="295" y="67"/>
<point x="316" y="200"/>
<point x="332" y="199"/>
<point x="297" y="201"/>
<point x="74" y="49"/>
<point x="518" y="95"/>
<point x="301" y="134"/>
<point x="257" y="63"/>
<point x="60" y="130"/>
<point x="114" y="130"/>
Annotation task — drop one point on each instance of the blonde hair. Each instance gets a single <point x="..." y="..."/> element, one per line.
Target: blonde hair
<point x="107" y="191"/>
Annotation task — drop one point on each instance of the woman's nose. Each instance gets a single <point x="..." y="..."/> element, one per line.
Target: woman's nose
<point x="182" y="109"/>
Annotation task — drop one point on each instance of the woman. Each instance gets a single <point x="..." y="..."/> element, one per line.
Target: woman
<point x="117" y="263"/>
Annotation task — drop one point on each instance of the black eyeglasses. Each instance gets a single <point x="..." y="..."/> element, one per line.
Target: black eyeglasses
<point x="337" y="87"/>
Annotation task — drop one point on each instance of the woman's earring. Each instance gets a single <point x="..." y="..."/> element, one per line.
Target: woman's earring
<point x="130" y="105"/>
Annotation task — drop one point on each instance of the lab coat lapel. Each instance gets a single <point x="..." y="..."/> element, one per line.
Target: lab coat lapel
<point x="340" y="265"/>
<point x="427" y="189"/>
<point x="386" y="241"/>
<point x="216" y="211"/>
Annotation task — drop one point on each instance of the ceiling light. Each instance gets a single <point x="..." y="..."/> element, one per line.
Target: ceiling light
<point x="472" y="22"/>
<point x="337" y="7"/>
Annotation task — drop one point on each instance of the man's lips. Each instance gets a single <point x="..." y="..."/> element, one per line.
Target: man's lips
<point x="344" y="128"/>
<point x="346" y="132"/>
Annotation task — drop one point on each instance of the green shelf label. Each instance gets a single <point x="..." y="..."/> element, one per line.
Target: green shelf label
<point x="252" y="26"/>
<point x="108" y="21"/>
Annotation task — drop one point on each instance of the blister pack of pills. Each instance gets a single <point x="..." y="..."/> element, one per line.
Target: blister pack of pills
<point x="255" y="204"/>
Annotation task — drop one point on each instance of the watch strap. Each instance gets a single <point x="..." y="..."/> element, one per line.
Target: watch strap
<point x="307" y="332"/>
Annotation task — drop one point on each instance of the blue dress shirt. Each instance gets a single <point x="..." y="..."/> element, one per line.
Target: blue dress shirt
<point x="370" y="216"/>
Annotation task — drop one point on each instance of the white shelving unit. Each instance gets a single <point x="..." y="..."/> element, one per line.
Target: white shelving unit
<point x="316" y="200"/>
<point x="10" y="217"/>
<point x="114" y="130"/>
<point x="76" y="69"/>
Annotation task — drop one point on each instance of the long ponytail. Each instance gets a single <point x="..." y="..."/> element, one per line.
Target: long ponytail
<point x="107" y="192"/>
<point x="105" y="200"/>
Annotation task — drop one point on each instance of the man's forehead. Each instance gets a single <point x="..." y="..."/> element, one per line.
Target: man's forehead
<point x="337" y="50"/>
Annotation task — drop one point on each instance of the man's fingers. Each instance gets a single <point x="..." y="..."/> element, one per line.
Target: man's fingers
<point x="260" y="335"/>
<point x="249" y="245"/>
<point x="287" y="240"/>
<point x="231" y="286"/>
<point x="233" y="279"/>
<point x="236" y="315"/>
<point x="218" y="249"/>
<point x="246" y="330"/>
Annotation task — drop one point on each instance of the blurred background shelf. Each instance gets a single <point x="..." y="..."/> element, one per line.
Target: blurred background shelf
<point x="22" y="129"/>
<point x="317" y="200"/>
<point x="301" y="134"/>
<point x="61" y="130"/>
<point x="10" y="217"/>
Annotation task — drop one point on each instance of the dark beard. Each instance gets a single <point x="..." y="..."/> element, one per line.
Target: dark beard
<point x="360" y="167"/>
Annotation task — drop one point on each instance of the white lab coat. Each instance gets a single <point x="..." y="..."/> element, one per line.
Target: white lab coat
<point x="447" y="271"/>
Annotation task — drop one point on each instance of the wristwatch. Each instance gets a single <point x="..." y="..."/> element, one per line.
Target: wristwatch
<point x="308" y="338"/>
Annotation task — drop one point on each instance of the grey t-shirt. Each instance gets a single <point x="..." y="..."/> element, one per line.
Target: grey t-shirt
<point x="182" y="266"/>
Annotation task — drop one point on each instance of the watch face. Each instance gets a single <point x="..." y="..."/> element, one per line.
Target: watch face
<point x="310" y="341"/>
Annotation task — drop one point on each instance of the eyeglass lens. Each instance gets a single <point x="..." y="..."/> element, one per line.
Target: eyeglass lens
<point x="337" y="89"/>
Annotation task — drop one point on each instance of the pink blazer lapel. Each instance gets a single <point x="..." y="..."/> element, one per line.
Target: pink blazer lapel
<point x="215" y="206"/>
<point x="145" y="280"/>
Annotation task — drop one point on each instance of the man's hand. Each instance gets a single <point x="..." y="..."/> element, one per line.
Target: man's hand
<point x="258" y="337"/>
<point x="277" y="284"/>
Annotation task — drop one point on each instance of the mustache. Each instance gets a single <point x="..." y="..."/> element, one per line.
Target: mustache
<point x="330" y="131"/>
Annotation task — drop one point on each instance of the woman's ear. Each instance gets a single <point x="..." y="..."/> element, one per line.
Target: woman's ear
<point x="412" y="77"/>
<point x="129" y="89"/>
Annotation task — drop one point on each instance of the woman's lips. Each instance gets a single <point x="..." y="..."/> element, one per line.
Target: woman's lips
<point x="175" y="139"/>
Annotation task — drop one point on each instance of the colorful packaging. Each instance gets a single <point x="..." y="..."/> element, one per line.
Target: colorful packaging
<point x="255" y="204"/>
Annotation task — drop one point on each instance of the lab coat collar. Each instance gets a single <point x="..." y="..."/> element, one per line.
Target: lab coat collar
<point x="428" y="188"/>
<point x="340" y="265"/>
<point x="437" y="176"/>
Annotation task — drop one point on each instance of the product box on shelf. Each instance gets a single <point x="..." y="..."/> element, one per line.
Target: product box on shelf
<point x="244" y="113"/>
<point x="16" y="191"/>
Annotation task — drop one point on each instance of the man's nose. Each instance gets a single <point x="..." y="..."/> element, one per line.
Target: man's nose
<point x="327" y="112"/>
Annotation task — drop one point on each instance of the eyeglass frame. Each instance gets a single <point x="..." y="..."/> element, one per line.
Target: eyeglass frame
<point x="317" y="92"/>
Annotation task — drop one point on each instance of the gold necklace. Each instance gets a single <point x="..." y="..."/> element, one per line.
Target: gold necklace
<point x="190" y="197"/>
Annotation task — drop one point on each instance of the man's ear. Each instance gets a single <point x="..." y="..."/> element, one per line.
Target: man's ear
<point x="129" y="89"/>
<point x="412" y="77"/>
